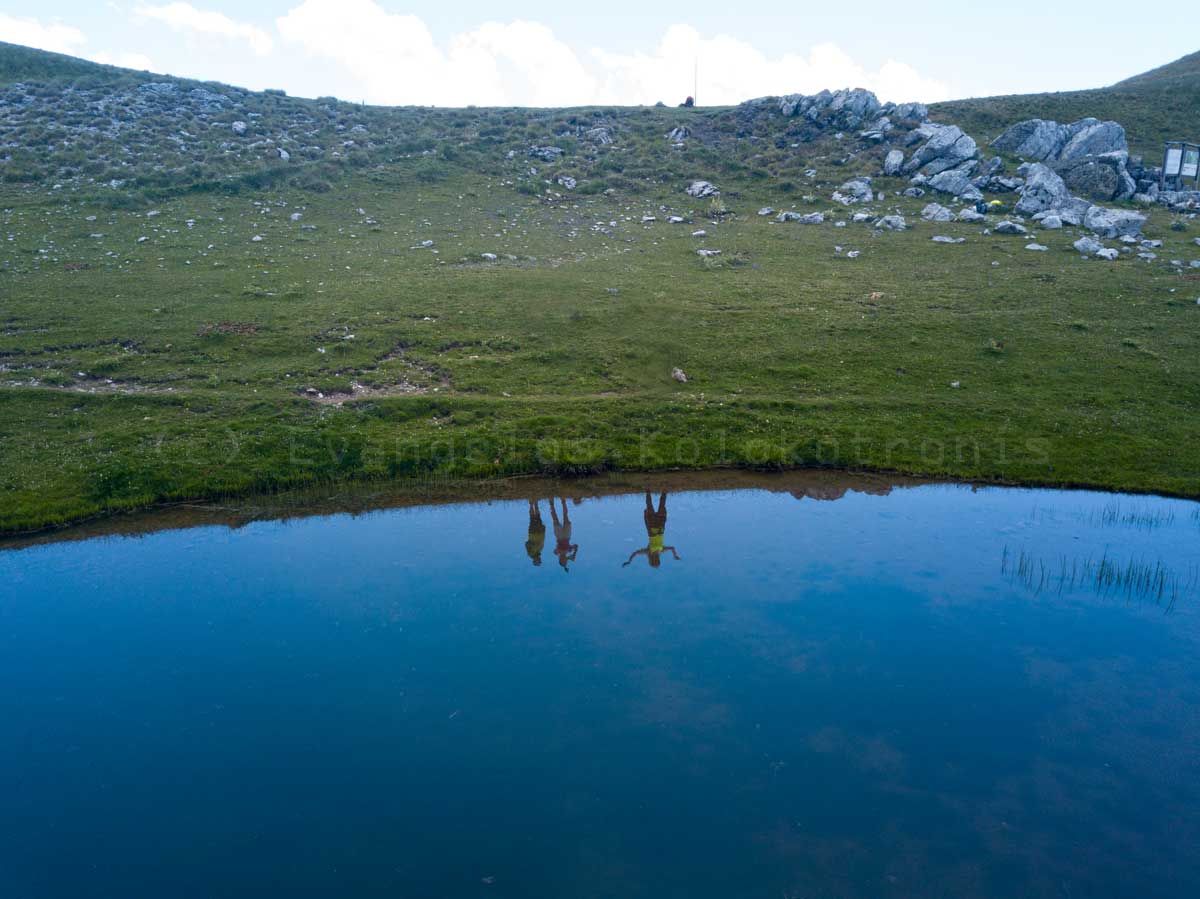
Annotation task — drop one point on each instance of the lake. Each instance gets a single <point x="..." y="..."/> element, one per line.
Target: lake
<point x="782" y="687"/>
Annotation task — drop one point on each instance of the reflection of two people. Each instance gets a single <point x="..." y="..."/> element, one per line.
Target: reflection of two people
<point x="564" y="549"/>
<point x="656" y="529"/>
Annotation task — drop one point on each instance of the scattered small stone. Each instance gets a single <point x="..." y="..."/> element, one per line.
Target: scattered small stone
<point x="1036" y="247"/>
<point x="1008" y="227"/>
<point x="935" y="212"/>
<point x="812" y="218"/>
<point x="701" y="189"/>
<point x="678" y="375"/>
<point x="942" y="238"/>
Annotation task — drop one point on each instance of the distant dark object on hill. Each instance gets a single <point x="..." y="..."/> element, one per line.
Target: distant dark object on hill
<point x="689" y="102"/>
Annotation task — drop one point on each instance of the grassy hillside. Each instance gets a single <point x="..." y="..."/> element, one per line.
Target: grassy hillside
<point x="1160" y="105"/>
<point x="19" y="63"/>
<point x="432" y="300"/>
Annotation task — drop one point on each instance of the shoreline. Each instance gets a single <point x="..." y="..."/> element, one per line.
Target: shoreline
<point x="360" y="497"/>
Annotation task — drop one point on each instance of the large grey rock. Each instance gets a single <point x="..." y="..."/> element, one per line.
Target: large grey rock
<point x="1091" y="178"/>
<point x="1090" y="137"/>
<point x="945" y="147"/>
<point x="1033" y="139"/>
<point x="1043" y="189"/>
<point x="892" y="223"/>
<point x="1103" y="177"/>
<point x="914" y="112"/>
<point x="935" y="212"/>
<point x="1008" y="227"/>
<point x="701" y="189"/>
<point x="1114" y="222"/>
<point x="971" y="217"/>
<point x="1073" y="211"/>
<point x="1046" y="141"/>
<point x="893" y="163"/>
<point x="957" y="182"/>
<point x="858" y="190"/>
<point x="1088" y="246"/>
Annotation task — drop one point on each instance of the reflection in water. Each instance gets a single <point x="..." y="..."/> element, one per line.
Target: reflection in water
<point x="830" y="698"/>
<point x="1140" y="517"/>
<point x="536" y="541"/>
<point x="563" y="547"/>
<point x="656" y="529"/>
<point x="1106" y="576"/>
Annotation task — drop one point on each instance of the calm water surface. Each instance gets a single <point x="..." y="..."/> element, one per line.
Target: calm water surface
<point x="936" y="691"/>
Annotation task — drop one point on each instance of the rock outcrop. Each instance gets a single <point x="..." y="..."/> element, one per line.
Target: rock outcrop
<point x="843" y="110"/>
<point x="1043" y="189"/>
<point x="945" y="147"/>
<point x="1091" y="156"/>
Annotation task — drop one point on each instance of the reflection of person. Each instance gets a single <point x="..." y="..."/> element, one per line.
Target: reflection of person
<point x="537" y="533"/>
<point x="563" y="547"/>
<point x="656" y="529"/>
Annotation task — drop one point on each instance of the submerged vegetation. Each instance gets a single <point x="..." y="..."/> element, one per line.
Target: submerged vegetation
<point x="1106" y="576"/>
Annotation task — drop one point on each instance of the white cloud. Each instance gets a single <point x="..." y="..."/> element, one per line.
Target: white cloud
<point x="185" y="17"/>
<point x="386" y="57"/>
<point x="394" y="58"/>
<point x="731" y="70"/>
<point x="32" y="33"/>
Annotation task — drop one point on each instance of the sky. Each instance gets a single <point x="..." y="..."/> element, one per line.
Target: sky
<point x="543" y="53"/>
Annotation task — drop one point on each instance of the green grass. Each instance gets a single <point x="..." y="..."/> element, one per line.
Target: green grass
<point x="1070" y="371"/>
<point x="199" y="363"/>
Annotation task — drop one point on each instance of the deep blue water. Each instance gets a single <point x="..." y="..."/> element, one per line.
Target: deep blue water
<point x="940" y="692"/>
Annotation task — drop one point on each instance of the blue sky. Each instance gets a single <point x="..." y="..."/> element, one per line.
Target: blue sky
<point x="543" y="53"/>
